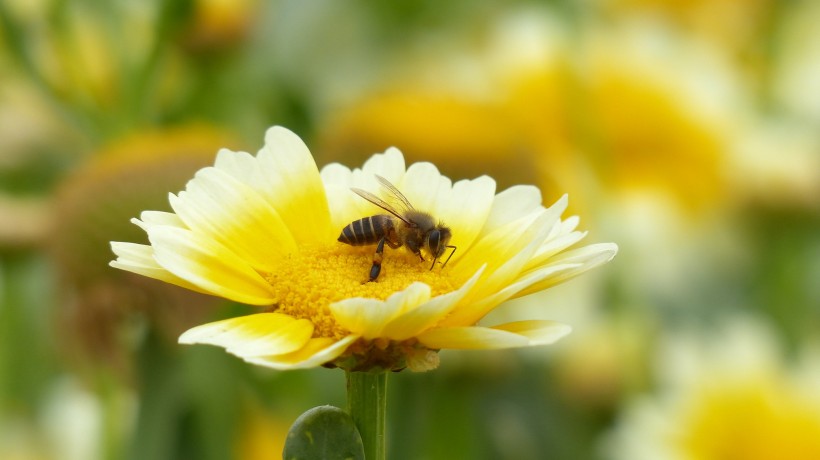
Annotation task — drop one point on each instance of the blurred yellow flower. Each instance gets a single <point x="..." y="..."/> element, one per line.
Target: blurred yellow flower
<point x="727" y="396"/>
<point x="461" y="133"/>
<point x="262" y="230"/>
<point x="220" y="23"/>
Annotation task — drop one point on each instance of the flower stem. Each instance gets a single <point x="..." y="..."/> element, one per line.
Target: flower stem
<point x="367" y="404"/>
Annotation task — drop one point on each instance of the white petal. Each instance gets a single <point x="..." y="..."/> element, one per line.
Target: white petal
<point x="344" y="204"/>
<point x="512" y="204"/>
<point x="581" y="260"/>
<point x="511" y="335"/>
<point x="253" y="335"/>
<point x="243" y="167"/>
<point x="465" y="209"/>
<point x="150" y="218"/>
<point x="423" y="185"/>
<point x="389" y="165"/>
<point x="487" y="303"/>
<point x="553" y="246"/>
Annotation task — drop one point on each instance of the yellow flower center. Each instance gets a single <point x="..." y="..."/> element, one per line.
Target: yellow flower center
<point x="307" y="282"/>
<point x="750" y="421"/>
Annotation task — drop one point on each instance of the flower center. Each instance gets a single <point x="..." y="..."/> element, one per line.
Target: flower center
<point x="307" y="282"/>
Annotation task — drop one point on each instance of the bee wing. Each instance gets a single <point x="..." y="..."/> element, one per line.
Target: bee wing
<point x="395" y="193"/>
<point x="379" y="202"/>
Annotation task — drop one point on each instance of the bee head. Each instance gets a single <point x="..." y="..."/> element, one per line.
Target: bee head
<point x="438" y="239"/>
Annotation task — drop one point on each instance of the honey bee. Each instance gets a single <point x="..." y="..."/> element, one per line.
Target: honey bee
<point x="407" y="227"/>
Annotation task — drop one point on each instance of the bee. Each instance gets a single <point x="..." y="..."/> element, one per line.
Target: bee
<point x="409" y="227"/>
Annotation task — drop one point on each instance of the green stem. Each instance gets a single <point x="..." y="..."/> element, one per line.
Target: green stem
<point x="367" y="404"/>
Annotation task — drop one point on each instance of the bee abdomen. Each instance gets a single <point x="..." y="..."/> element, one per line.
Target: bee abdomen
<point x="368" y="230"/>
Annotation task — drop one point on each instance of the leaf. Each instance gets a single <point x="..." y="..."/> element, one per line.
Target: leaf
<point x="324" y="432"/>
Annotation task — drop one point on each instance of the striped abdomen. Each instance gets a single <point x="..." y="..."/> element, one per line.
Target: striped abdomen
<point x="367" y="231"/>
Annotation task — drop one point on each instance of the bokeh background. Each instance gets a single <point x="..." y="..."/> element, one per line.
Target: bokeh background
<point x="686" y="131"/>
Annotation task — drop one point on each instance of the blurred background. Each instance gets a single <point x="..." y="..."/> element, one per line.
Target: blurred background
<point x="686" y="131"/>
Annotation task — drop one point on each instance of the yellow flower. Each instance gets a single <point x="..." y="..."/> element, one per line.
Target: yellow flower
<point x="730" y="395"/>
<point x="262" y="230"/>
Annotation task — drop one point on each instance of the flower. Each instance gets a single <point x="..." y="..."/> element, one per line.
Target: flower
<point x="263" y="231"/>
<point x="728" y="394"/>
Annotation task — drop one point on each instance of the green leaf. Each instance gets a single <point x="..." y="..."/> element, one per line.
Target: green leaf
<point x="324" y="432"/>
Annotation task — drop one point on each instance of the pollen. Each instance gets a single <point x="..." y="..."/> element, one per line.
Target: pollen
<point x="305" y="283"/>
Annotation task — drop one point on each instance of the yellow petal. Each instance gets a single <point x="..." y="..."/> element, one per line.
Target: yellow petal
<point x="294" y="186"/>
<point x="253" y="335"/>
<point x="284" y="174"/>
<point x="209" y="265"/>
<point x="315" y="353"/>
<point x="219" y="207"/>
<point x="368" y="317"/>
<point x="511" y="335"/>
<point x="428" y="314"/>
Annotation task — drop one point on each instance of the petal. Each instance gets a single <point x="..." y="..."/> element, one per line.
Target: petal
<point x="506" y="251"/>
<point x="389" y="165"/>
<point x="253" y="335"/>
<point x="510" y="335"/>
<point x="243" y="167"/>
<point x="580" y="260"/>
<point x="294" y="187"/>
<point x="512" y="204"/>
<point x="139" y="259"/>
<point x="220" y="207"/>
<point x="338" y="180"/>
<point x="150" y="218"/>
<point x="428" y="314"/>
<point x="423" y="185"/>
<point x="367" y="317"/>
<point x="465" y="209"/>
<point x="316" y="352"/>
<point x="505" y="240"/>
<point x="539" y="332"/>
<point x="209" y="265"/>
<point x="553" y="246"/>
<point x="486" y="304"/>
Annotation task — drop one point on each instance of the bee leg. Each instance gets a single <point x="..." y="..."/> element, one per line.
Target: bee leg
<point x="377" y="261"/>
<point x="448" y="258"/>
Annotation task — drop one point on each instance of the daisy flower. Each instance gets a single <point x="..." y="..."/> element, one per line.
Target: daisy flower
<point x="263" y="230"/>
